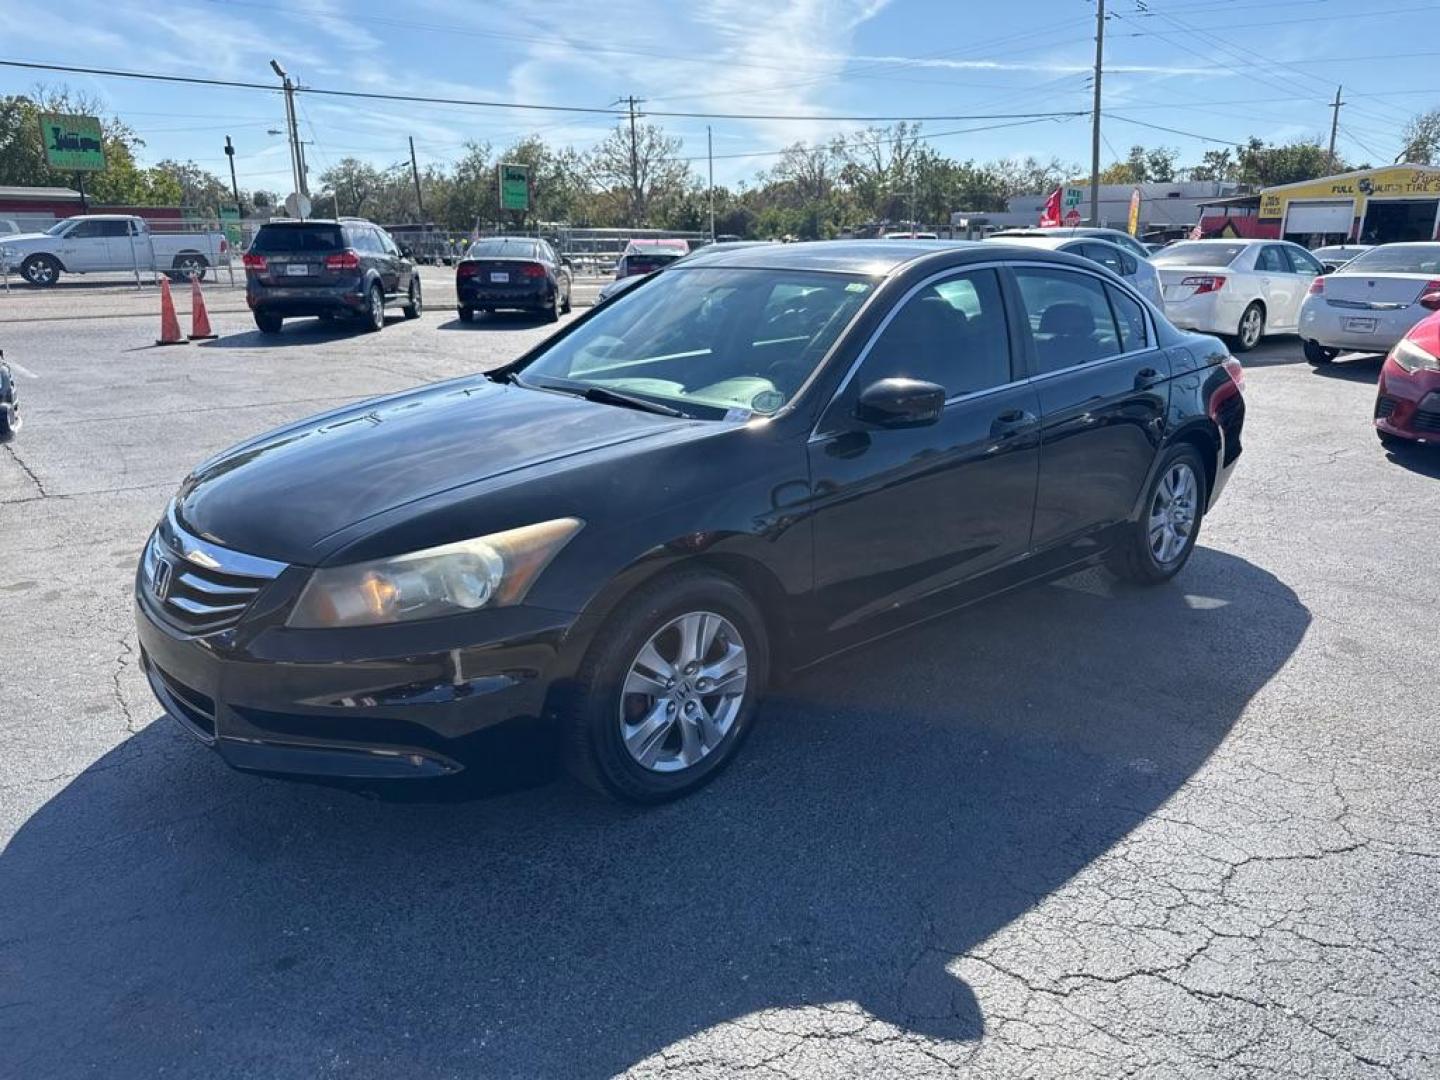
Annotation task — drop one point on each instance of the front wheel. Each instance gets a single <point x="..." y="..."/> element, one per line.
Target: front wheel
<point x="1318" y="354"/>
<point x="1251" y="328"/>
<point x="1159" y="543"/>
<point x="414" y="305"/>
<point x="669" y="691"/>
<point x="40" y="270"/>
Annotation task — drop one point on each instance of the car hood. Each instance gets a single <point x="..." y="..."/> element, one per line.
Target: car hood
<point x="16" y="238"/>
<point x="283" y="495"/>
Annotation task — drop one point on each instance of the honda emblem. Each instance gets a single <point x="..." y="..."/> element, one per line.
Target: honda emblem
<point x="160" y="583"/>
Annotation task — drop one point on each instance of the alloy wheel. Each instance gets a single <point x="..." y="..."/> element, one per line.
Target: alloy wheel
<point x="40" y="272"/>
<point x="683" y="692"/>
<point x="377" y="308"/>
<point x="1172" y="513"/>
<point x="1250" y="325"/>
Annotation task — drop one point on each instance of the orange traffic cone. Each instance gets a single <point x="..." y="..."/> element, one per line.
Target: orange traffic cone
<point x="199" y="319"/>
<point x="169" y="324"/>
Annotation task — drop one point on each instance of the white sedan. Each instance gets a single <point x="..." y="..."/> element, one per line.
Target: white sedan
<point x="1140" y="273"/>
<point x="1371" y="302"/>
<point x="1243" y="289"/>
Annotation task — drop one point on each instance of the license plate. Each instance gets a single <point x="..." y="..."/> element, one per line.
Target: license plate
<point x="1360" y="326"/>
<point x="297" y="270"/>
<point x="500" y="279"/>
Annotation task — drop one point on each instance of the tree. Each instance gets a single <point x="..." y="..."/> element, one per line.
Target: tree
<point x="1422" y="140"/>
<point x="1214" y="165"/>
<point x="1265" y="166"/>
<point x="198" y="187"/>
<point x="638" y="170"/>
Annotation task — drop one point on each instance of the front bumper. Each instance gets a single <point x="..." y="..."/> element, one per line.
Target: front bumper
<point x="344" y="704"/>
<point x="1407" y="403"/>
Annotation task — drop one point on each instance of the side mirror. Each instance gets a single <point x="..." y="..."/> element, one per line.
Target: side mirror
<point x="406" y="252"/>
<point x="565" y="261"/>
<point x="1431" y="301"/>
<point x="899" y="403"/>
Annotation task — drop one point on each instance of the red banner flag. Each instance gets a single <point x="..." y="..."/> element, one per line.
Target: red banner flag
<point x="1050" y="216"/>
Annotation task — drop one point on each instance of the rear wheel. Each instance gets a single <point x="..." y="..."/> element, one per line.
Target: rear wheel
<point x="669" y="691"/>
<point x="414" y="305"/>
<point x="467" y="314"/>
<point x="268" y="322"/>
<point x="569" y="290"/>
<point x="1318" y="354"/>
<point x="1251" y="328"/>
<point x="1159" y="543"/>
<point x="552" y="313"/>
<point x="375" y="309"/>
<point x="190" y="267"/>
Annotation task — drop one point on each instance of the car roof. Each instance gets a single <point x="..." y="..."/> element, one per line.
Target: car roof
<point x="1031" y="240"/>
<point x="871" y="258"/>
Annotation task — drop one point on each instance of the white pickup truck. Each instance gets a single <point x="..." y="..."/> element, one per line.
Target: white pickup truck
<point x="94" y="243"/>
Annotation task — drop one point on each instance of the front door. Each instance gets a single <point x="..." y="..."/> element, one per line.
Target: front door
<point x="86" y="246"/>
<point x="1281" y="287"/>
<point x="1104" y="390"/>
<point x="903" y="515"/>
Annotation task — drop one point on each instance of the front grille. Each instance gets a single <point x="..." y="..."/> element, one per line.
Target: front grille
<point x="190" y="707"/>
<point x="198" y="587"/>
<point x="1426" y="420"/>
<point x="1384" y="407"/>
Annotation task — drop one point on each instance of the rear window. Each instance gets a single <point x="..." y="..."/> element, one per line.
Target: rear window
<point x="501" y="249"/>
<point x="278" y="239"/>
<point x="643" y="264"/>
<point x="1198" y="255"/>
<point x="1420" y="259"/>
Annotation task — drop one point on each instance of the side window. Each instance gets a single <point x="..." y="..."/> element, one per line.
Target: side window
<point x="1111" y="258"/>
<point x="1069" y="317"/>
<point x="1302" y="262"/>
<point x="86" y="230"/>
<point x="114" y="228"/>
<point x="953" y="333"/>
<point x="1130" y="318"/>
<point x="1128" y="266"/>
<point x="1272" y="260"/>
<point x="387" y="242"/>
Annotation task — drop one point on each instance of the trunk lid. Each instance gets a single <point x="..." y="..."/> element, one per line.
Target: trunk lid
<point x="1376" y="292"/>
<point x="500" y="273"/>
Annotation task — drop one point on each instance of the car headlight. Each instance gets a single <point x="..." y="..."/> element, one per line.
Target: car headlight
<point x="489" y="571"/>
<point x="1412" y="357"/>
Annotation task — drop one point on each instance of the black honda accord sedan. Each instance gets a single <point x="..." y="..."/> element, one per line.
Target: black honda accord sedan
<point x="741" y="467"/>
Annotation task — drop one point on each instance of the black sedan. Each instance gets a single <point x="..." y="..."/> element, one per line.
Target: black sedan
<point x="9" y="402"/>
<point x="512" y="272"/>
<point x="758" y="460"/>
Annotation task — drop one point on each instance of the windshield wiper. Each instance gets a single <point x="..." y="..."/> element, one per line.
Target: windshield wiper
<point x="615" y="397"/>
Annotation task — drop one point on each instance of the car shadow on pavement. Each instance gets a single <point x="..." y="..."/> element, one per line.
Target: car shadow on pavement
<point x="891" y="811"/>
<point x="1419" y="458"/>
<point x="498" y="320"/>
<point x="300" y="332"/>
<point x="1360" y="368"/>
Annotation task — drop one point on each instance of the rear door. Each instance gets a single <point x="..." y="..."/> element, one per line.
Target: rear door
<point x="1103" y="391"/>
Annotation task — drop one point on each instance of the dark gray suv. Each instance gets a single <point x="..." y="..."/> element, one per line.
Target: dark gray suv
<point x="341" y="268"/>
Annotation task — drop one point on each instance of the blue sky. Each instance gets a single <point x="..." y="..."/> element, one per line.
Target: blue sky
<point x="1223" y="69"/>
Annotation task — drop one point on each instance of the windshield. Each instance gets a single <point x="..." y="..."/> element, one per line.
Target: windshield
<point x="1336" y="252"/>
<point x="719" y="339"/>
<point x="273" y="239"/>
<point x="1396" y="259"/>
<point x="1198" y="255"/>
<point x="59" y="227"/>
<point x="501" y="249"/>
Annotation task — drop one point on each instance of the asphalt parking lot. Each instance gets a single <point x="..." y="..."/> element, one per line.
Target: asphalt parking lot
<point x="1080" y="831"/>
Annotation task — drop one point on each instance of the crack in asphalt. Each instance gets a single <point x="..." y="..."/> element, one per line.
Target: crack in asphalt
<point x="25" y="467"/>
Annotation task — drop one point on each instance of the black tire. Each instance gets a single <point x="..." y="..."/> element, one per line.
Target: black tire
<point x="1248" y="334"/>
<point x="1135" y="558"/>
<point x="1393" y="443"/>
<point x="189" y="265"/>
<point x="1319" y="355"/>
<point x="467" y="314"/>
<point x="41" y="271"/>
<point x="268" y="322"/>
<point x="372" y="319"/>
<point x="416" y="304"/>
<point x="552" y="312"/>
<point x="590" y="714"/>
<point x="569" y="307"/>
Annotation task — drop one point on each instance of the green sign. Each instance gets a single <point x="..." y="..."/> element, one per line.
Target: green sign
<point x="230" y="222"/>
<point x="514" y="187"/>
<point x="72" y="143"/>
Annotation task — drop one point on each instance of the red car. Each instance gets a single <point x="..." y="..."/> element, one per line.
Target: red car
<point x="1408" y="406"/>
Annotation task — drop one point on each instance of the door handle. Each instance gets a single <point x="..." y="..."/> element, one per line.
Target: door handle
<point x="1146" y="377"/>
<point x="1011" y="423"/>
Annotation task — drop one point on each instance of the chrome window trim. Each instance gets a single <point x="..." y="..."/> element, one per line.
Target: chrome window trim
<point x="192" y="548"/>
<point x="1152" y="345"/>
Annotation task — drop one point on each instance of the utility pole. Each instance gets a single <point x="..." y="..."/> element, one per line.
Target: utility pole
<point x="297" y="155"/>
<point x="1095" y="117"/>
<point x="1334" y="126"/>
<point x="632" y="101"/>
<point x="710" y="156"/>
<point x="234" y="186"/>
<point x="415" y="172"/>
